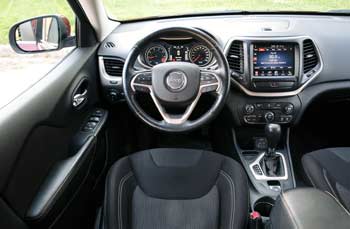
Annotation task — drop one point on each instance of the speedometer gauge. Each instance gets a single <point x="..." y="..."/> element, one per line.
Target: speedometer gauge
<point x="156" y="55"/>
<point x="200" y="55"/>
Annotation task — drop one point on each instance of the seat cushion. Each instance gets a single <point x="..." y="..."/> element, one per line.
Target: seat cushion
<point x="329" y="170"/>
<point x="176" y="189"/>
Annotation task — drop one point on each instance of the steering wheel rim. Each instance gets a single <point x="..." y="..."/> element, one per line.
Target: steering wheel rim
<point x="174" y="123"/>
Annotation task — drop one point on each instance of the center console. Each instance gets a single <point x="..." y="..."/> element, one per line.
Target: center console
<point x="271" y="72"/>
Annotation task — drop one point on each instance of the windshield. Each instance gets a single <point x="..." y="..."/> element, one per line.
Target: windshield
<point x="135" y="9"/>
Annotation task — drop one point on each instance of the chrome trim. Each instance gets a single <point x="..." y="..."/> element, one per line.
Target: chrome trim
<point x="79" y="99"/>
<point x="105" y="77"/>
<point x="272" y="39"/>
<point x="265" y="177"/>
<point x="176" y="119"/>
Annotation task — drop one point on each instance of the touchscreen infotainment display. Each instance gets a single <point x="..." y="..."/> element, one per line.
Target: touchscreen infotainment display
<point x="273" y="59"/>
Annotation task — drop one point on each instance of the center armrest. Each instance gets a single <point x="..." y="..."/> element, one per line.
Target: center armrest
<point x="309" y="208"/>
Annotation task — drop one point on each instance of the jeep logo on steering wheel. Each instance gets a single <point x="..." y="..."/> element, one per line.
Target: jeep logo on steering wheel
<point x="176" y="81"/>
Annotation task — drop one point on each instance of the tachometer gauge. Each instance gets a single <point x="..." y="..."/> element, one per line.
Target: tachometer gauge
<point x="200" y="55"/>
<point x="156" y="55"/>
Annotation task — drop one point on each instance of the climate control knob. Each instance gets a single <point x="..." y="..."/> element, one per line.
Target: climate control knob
<point x="249" y="108"/>
<point x="288" y="109"/>
<point x="269" y="116"/>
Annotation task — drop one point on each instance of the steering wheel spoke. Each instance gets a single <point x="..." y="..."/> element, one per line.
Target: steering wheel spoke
<point x="209" y="82"/>
<point x="142" y="82"/>
<point x="178" y="119"/>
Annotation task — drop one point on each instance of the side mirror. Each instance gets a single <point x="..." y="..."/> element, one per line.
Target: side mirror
<point x="41" y="34"/>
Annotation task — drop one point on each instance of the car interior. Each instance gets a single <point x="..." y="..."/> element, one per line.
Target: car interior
<point x="213" y="120"/>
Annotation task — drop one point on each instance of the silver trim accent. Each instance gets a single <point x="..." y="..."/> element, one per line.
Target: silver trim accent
<point x="264" y="177"/>
<point x="277" y="94"/>
<point x="105" y="77"/>
<point x="79" y="99"/>
<point x="176" y="119"/>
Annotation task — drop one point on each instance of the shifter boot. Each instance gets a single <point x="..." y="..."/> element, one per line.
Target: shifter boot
<point x="272" y="166"/>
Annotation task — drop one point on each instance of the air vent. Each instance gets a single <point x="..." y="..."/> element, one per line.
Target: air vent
<point x="310" y="56"/>
<point x="113" y="67"/>
<point x="109" y="44"/>
<point x="235" y="57"/>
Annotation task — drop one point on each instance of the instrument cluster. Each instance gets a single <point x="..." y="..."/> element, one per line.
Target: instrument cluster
<point x="187" y="50"/>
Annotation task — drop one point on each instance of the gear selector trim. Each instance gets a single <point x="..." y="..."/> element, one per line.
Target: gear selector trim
<point x="263" y="176"/>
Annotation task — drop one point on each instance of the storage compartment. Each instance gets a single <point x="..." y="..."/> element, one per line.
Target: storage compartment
<point x="264" y="206"/>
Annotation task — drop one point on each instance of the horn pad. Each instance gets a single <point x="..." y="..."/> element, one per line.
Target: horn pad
<point x="176" y="82"/>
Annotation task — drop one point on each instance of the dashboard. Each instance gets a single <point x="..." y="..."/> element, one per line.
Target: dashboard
<point x="278" y="63"/>
<point x="174" y="49"/>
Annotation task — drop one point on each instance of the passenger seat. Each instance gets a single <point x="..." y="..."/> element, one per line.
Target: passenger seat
<point x="329" y="170"/>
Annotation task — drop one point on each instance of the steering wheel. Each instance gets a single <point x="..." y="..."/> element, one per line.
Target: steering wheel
<point x="176" y="83"/>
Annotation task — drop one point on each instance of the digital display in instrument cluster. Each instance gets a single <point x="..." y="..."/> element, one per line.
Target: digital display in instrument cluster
<point x="178" y="53"/>
<point x="192" y="52"/>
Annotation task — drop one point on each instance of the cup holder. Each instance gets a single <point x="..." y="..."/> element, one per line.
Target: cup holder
<point x="264" y="206"/>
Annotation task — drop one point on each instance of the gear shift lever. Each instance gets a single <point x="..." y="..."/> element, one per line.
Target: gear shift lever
<point x="271" y="162"/>
<point x="273" y="135"/>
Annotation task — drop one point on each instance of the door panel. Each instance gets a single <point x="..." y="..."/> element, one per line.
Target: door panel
<point x="41" y="135"/>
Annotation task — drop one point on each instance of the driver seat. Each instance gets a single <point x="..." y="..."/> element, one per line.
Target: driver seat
<point x="175" y="189"/>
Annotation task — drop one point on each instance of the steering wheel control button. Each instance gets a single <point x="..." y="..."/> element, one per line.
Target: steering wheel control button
<point x="141" y="82"/>
<point x="209" y="88"/>
<point x="176" y="81"/>
<point x="249" y="108"/>
<point x="208" y="82"/>
<point x="207" y="78"/>
<point x="141" y="89"/>
<point x="143" y="78"/>
<point x="269" y="116"/>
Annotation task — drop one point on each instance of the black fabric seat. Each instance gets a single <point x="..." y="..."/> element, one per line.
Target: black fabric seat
<point x="329" y="170"/>
<point x="176" y="189"/>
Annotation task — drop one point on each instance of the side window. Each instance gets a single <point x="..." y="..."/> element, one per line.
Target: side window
<point x="38" y="37"/>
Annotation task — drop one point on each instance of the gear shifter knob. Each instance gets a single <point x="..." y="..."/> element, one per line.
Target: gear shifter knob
<point x="273" y="135"/>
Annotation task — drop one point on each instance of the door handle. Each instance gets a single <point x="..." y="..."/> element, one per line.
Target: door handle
<point x="80" y="98"/>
